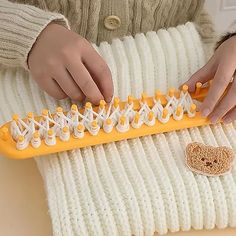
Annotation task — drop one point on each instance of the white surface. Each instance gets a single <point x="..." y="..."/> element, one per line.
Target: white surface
<point x="223" y="13"/>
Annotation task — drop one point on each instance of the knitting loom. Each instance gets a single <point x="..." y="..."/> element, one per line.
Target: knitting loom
<point x="77" y="128"/>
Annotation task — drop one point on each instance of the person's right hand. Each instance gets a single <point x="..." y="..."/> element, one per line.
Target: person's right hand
<point x="65" y="65"/>
<point x="220" y="102"/>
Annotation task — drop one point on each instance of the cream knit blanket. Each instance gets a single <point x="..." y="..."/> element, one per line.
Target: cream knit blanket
<point x="138" y="186"/>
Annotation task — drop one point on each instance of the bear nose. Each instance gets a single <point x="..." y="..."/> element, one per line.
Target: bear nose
<point x="208" y="163"/>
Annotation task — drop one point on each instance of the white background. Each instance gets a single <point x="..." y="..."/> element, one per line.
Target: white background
<point x="223" y="13"/>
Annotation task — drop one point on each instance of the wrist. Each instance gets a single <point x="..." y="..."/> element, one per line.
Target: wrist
<point x="225" y="38"/>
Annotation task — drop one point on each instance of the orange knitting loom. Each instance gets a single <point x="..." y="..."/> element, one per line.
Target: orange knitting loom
<point x="61" y="131"/>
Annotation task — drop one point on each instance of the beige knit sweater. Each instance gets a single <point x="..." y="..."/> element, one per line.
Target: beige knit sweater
<point x="96" y="20"/>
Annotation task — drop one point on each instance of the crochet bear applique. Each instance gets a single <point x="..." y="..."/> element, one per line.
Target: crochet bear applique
<point x="209" y="160"/>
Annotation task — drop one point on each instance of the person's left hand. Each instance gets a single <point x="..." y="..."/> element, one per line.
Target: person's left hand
<point x="220" y="69"/>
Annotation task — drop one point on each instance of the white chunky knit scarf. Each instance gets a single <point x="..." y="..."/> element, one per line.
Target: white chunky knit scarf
<point x="139" y="186"/>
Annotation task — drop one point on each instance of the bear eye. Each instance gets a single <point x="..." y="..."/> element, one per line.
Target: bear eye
<point x="215" y="161"/>
<point x="203" y="159"/>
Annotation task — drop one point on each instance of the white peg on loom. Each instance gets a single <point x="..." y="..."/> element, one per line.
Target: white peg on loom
<point x="44" y="120"/>
<point x="178" y="113"/>
<point x="158" y="95"/>
<point x="88" y="111"/>
<point x="108" y="125"/>
<point x="30" y="122"/>
<point x="150" y="119"/>
<point x="14" y="128"/>
<point x="192" y="110"/>
<point x="79" y="131"/>
<point x="58" y="115"/>
<point x="115" y="110"/>
<point x="62" y="118"/>
<point x="50" y="139"/>
<point x="59" y="119"/>
<point x="36" y="140"/>
<point x="101" y="112"/>
<point x="136" y="122"/>
<point x="171" y="92"/>
<point x="157" y="108"/>
<point x="143" y="99"/>
<point x="123" y="124"/>
<point x="22" y="143"/>
<point x="165" y="116"/>
<point x="129" y="112"/>
<point x="116" y="104"/>
<point x="65" y="133"/>
<point x="94" y="128"/>
<point x="101" y="108"/>
<point x="73" y="116"/>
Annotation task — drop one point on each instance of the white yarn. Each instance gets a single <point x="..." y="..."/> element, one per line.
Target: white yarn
<point x="136" y="82"/>
<point x="138" y="186"/>
<point x="197" y="44"/>
<point x="163" y="180"/>
<point x="216" y="186"/>
<point x="170" y="57"/>
<point x="147" y="74"/>
<point x="159" y="62"/>
<point x="182" y="62"/>
<point x="206" y="210"/>
<point x="189" y="45"/>
<point x="122" y="65"/>
<point x="106" y="52"/>
<point x="191" y="189"/>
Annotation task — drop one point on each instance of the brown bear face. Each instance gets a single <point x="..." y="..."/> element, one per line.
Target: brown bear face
<point x="208" y="160"/>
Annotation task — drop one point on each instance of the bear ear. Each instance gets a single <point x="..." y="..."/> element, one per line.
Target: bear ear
<point x="227" y="153"/>
<point x="194" y="148"/>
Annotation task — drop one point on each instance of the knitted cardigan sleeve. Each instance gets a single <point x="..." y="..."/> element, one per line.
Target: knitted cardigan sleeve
<point x="20" y="25"/>
<point x="229" y="33"/>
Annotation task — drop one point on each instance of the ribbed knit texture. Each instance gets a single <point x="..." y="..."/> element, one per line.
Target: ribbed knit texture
<point x="20" y="26"/>
<point x="138" y="186"/>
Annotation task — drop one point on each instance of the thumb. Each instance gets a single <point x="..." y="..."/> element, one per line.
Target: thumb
<point x="203" y="75"/>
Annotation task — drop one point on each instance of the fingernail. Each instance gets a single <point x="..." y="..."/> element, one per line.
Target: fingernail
<point x="227" y="120"/>
<point x="205" y="112"/>
<point x="108" y="100"/>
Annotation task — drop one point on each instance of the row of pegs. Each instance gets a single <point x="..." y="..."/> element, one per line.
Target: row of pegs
<point x="123" y="124"/>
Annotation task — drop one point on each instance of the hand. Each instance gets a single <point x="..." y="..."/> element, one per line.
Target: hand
<point x="220" y="68"/>
<point x="65" y="65"/>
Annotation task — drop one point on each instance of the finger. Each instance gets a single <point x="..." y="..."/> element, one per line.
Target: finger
<point x="225" y="105"/>
<point x="219" y="84"/>
<point x="51" y="87"/>
<point x="230" y="116"/>
<point x="203" y="75"/>
<point x="100" y="73"/>
<point x="68" y="85"/>
<point x="83" y="79"/>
